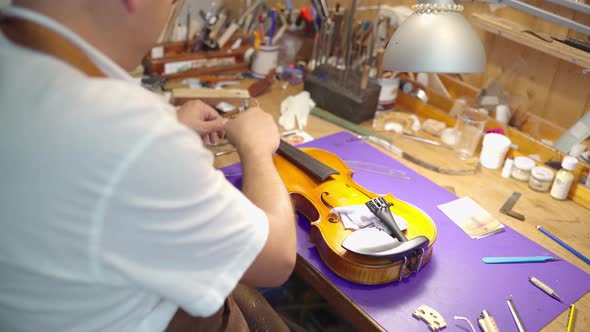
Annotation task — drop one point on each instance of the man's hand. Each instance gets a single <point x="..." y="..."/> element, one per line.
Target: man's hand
<point x="253" y="132"/>
<point x="203" y="119"/>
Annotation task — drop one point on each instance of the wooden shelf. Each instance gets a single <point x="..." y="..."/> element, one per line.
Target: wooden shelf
<point x="438" y="108"/>
<point x="515" y="32"/>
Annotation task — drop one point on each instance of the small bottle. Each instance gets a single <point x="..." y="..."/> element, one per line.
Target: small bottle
<point x="507" y="169"/>
<point x="564" y="178"/>
<point x="502" y="113"/>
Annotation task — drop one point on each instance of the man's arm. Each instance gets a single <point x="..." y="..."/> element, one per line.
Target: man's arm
<point x="255" y="135"/>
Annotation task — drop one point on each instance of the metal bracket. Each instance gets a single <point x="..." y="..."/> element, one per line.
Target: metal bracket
<point x="507" y="207"/>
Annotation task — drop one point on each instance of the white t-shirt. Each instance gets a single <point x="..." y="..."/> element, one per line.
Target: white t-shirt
<point x="111" y="213"/>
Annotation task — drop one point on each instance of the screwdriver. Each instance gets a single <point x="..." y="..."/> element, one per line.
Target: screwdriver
<point x="544" y="288"/>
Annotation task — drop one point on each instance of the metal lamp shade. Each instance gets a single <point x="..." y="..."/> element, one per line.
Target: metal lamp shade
<point x="441" y="42"/>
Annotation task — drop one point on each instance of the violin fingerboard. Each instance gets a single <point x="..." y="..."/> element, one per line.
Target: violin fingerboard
<point x="318" y="170"/>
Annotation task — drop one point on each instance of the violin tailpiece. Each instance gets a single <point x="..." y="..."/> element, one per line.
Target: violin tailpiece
<point x="380" y="208"/>
<point x="378" y="204"/>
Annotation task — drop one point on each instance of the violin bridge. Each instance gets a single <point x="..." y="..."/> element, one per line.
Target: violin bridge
<point x="431" y="317"/>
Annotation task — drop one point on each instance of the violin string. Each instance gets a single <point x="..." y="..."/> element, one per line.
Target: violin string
<point x="358" y="165"/>
<point x="225" y="142"/>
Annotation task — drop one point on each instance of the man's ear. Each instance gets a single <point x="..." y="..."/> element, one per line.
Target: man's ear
<point x="131" y="5"/>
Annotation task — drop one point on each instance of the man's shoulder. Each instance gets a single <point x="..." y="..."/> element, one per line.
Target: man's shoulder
<point x="32" y="77"/>
<point x="38" y="91"/>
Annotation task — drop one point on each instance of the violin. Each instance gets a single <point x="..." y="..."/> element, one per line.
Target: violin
<point x="318" y="181"/>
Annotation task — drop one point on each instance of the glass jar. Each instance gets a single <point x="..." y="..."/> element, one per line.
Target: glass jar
<point x="541" y="178"/>
<point x="522" y="167"/>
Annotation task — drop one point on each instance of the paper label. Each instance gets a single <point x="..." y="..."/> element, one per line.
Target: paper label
<point x="471" y="218"/>
<point x="157" y="52"/>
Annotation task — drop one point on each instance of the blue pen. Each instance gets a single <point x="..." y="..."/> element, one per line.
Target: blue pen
<point x="524" y="259"/>
<point x="271" y="33"/>
<point x="563" y="244"/>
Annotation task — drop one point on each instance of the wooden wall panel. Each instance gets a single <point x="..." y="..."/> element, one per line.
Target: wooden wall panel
<point x="532" y="85"/>
<point x="569" y="95"/>
<point x="541" y="83"/>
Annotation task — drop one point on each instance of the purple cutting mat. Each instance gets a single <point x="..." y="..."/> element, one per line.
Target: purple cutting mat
<point x="455" y="281"/>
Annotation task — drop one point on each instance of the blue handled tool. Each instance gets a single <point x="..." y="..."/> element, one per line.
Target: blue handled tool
<point x="273" y="17"/>
<point x="563" y="244"/>
<point x="524" y="259"/>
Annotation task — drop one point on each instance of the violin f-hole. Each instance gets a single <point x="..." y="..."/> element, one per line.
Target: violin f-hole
<point x="322" y="197"/>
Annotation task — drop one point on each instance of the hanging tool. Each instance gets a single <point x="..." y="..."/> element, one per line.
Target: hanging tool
<point x="379" y="62"/>
<point x="216" y="29"/>
<point x="273" y="18"/>
<point x="235" y="25"/>
<point x="374" y="36"/>
<point x="348" y="40"/>
<point x="209" y="17"/>
<point x="337" y="18"/>
<point x="261" y="26"/>
<point x="188" y="29"/>
<point x="257" y="40"/>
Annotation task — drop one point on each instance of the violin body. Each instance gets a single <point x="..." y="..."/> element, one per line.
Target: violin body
<point x="314" y="199"/>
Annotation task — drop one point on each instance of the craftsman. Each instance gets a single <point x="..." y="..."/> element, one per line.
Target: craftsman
<point x="113" y="216"/>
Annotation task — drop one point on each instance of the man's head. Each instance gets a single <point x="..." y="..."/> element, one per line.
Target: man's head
<point x="122" y="29"/>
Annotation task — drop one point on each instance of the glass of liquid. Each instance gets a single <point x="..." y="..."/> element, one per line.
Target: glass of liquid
<point x="469" y="129"/>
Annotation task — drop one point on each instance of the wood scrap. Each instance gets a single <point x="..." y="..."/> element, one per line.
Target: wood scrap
<point x="259" y="87"/>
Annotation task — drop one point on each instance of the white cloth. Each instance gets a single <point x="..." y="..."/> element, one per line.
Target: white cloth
<point x="112" y="214"/>
<point x="296" y="108"/>
<point x="359" y="216"/>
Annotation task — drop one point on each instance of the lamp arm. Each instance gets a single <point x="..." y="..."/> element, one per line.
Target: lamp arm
<point x="525" y="7"/>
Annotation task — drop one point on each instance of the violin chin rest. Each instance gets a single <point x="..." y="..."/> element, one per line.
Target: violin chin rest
<point x="371" y="242"/>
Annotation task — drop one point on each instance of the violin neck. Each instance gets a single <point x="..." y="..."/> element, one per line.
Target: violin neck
<point x="318" y="170"/>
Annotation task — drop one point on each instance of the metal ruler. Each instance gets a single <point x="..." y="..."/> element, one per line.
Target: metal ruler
<point x="507" y="207"/>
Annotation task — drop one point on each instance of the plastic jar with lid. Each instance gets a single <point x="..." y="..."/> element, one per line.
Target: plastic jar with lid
<point x="521" y="170"/>
<point x="540" y="179"/>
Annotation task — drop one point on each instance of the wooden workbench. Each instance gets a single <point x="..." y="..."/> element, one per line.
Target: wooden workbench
<point x="566" y="219"/>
